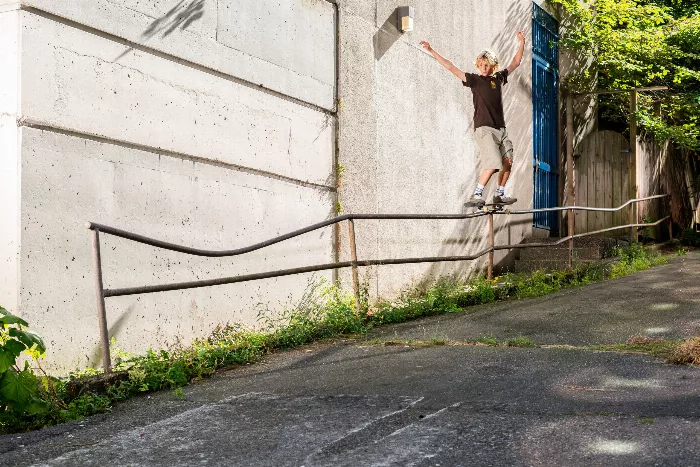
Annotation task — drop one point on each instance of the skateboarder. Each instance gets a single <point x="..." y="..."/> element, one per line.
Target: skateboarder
<point x="495" y="148"/>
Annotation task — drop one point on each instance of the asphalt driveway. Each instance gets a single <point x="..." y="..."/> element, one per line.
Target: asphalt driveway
<point x="354" y="402"/>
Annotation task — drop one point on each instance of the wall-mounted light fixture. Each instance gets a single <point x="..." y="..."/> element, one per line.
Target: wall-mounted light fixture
<point x="405" y="18"/>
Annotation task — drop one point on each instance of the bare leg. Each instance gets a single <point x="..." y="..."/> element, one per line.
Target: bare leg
<point x="505" y="173"/>
<point x="486" y="176"/>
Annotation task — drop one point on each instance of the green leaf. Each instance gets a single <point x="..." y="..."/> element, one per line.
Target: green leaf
<point x="18" y="387"/>
<point x="8" y="318"/>
<point x="7" y="359"/>
<point x="28" y="338"/>
<point x="15" y="346"/>
<point x="37" y="406"/>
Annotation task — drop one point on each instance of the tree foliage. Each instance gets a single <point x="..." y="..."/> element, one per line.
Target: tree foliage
<point x="640" y="43"/>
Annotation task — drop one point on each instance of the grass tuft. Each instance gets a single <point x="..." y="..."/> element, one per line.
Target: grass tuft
<point x="520" y="341"/>
<point x="687" y="352"/>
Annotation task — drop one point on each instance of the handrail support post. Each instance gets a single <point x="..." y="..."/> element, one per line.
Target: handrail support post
<point x="571" y="240"/>
<point x="101" y="310"/>
<point x="353" y="259"/>
<point x="489" y="274"/>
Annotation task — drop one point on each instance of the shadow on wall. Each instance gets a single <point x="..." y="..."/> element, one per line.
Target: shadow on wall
<point x="386" y="35"/>
<point x="95" y="359"/>
<point x="473" y="234"/>
<point x="180" y="16"/>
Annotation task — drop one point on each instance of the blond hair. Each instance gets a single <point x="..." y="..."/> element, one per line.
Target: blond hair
<point x="488" y="57"/>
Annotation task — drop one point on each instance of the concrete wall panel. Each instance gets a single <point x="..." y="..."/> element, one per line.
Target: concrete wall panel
<point x="298" y="35"/>
<point x="68" y="180"/>
<point x="9" y="213"/>
<point x="144" y="99"/>
<point x="188" y="30"/>
<point x="9" y="61"/>
<point x="9" y="159"/>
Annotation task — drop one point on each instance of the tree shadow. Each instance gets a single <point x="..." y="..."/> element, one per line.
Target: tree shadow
<point x="180" y="16"/>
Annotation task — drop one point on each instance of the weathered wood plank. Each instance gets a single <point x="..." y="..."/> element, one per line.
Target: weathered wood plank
<point x="582" y="170"/>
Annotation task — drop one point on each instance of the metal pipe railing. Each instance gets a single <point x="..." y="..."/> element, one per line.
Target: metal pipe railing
<point x="354" y="262"/>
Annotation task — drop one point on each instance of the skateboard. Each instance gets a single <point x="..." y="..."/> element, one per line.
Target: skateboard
<point x="488" y="207"/>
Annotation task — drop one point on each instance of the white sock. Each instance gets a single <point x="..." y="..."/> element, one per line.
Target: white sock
<point x="501" y="191"/>
<point x="479" y="190"/>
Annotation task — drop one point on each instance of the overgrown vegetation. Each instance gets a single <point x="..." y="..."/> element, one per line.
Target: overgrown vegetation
<point x="19" y="387"/>
<point x="634" y="258"/>
<point x="690" y="238"/>
<point x="30" y="402"/>
<point x="640" y="43"/>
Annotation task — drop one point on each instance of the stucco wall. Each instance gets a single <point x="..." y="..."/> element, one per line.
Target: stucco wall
<point x="406" y="131"/>
<point x="178" y="121"/>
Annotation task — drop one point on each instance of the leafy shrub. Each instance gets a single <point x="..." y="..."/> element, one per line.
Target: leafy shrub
<point x="20" y="389"/>
<point x="690" y="238"/>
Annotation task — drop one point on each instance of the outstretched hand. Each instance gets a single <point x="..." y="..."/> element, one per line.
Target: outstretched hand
<point x="521" y="36"/>
<point x="425" y="45"/>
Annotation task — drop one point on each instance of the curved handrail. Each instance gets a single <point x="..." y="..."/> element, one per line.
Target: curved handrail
<point x="286" y="272"/>
<point x="102" y="293"/>
<point x="335" y="220"/>
<point x="239" y="251"/>
<point x="584" y="208"/>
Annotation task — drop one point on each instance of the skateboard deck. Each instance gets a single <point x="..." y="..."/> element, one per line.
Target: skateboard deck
<point x="486" y="207"/>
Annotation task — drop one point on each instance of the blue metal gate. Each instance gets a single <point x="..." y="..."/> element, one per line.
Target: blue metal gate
<point x="545" y="105"/>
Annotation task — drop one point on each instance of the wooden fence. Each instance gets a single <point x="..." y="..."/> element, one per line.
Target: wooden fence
<point x="602" y="174"/>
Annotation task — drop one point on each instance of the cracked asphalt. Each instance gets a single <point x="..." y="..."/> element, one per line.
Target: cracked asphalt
<point x="354" y="402"/>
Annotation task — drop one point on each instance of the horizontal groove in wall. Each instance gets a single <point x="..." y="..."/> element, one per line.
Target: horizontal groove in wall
<point x="166" y="56"/>
<point x="47" y="126"/>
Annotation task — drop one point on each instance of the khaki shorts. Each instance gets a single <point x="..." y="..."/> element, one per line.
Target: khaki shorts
<point x="494" y="145"/>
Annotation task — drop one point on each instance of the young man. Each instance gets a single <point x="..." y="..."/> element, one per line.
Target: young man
<point x="495" y="149"/>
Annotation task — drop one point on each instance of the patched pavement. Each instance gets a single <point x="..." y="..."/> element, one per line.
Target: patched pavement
<point x="354" y="402"/>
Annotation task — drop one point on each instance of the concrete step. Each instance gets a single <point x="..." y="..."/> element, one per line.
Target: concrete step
<point x="605" y="245"/>
<point x="560" y="252"/>
<point x="546" y="264"/>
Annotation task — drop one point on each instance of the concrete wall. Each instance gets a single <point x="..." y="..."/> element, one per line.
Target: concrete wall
<point x="406" y="131"/>
<point x="9" y="156"/>
<point x="175" y="120"/>
<point x="215" y="124"/>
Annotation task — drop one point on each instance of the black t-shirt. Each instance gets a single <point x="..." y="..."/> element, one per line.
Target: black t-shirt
<point x="488" y="105"/>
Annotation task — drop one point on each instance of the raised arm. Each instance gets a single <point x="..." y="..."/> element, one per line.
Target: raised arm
<point x="444" y="62"/>
<point x="518" y="55"/>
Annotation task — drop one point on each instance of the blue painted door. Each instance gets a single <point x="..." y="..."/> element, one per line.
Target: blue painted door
<point x="545" y="105"/>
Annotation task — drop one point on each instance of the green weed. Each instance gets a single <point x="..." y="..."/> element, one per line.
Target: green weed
<point x="488" y="340"/>
<point x="520" y="341"/>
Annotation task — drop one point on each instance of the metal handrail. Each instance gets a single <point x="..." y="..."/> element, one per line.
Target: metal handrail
<point x="224" y="253"/>
<point x="103" y="293"/>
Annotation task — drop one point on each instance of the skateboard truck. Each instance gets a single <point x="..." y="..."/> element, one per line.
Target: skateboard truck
<point x="487" y="207"/>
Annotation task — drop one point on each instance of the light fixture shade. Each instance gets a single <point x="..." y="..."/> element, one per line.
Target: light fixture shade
<point x="405" y="18"/>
